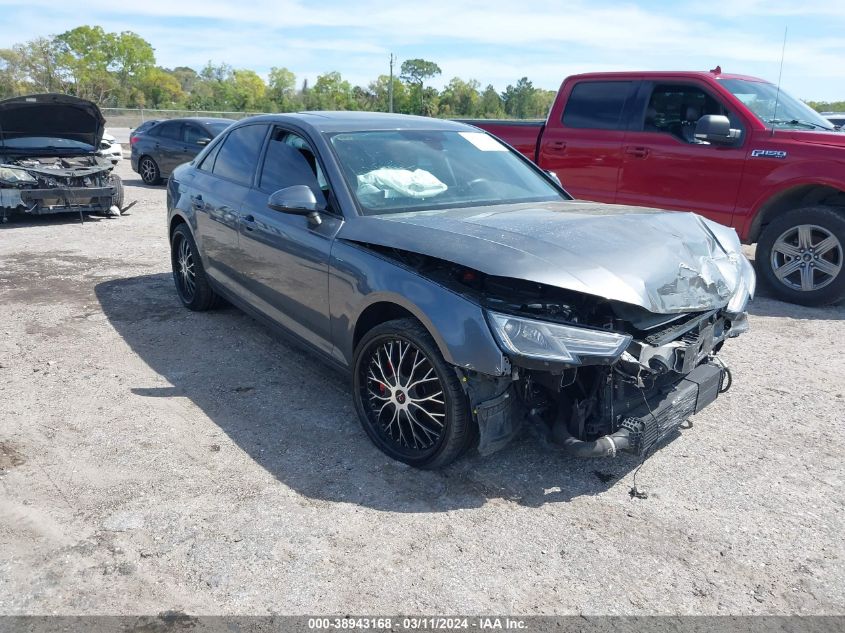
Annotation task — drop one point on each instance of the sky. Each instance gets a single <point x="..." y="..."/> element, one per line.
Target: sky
<point x="493" y="41"/>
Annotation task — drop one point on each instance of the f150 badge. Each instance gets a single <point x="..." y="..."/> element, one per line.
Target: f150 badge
<point x="767" y="153"/>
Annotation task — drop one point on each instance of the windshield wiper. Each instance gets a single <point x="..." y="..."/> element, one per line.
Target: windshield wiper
<point x="808" y="124"/>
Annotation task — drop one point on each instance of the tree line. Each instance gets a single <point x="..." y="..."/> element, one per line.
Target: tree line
<point x="120" y="70"/>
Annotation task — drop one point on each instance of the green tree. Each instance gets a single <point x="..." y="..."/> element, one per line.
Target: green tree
<point x="31" y="67"/>
<point x="519" y="100"/>
<point x="380" y="94"/>
<point x="130" y="56"/>
<point x="218" y="88"/>
<point x="11" y="77"/>
<point x="415" y="72"/>
<point x="282" y="89"/>
<point x="460" y="98"/>
<point x="331" y="92"/>
<point x="249" y="90"/>
<point x="187" y="77"/>
<point x="490" y="105"/>
<point x="86" y="53"/>
<point x="159" y="89"/>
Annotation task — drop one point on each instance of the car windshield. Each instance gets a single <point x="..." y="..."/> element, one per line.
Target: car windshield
<point x="775" y="108"/>
<point x="44" y="142"/>
<point x="412" y="170"/>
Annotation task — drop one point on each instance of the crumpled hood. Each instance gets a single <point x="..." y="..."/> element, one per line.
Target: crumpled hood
<point x="51" y="115"/>
<point x="665" y="262"/>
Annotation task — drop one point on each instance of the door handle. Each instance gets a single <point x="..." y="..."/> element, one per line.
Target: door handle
<point x="558" y="146"/>
<point x="248" y="221"/>
<point x="637" y="152"/>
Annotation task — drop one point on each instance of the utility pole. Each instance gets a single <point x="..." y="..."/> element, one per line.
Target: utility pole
<point x="390" y="86"/>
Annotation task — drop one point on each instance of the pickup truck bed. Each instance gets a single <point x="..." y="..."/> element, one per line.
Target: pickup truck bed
<point x="521" y="135"/>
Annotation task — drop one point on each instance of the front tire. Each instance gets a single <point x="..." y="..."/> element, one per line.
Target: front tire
<point x="192" y="283"/>
<point x="117" y="183"/>
<point x="801" y="256"/>
<point x="408" y="398"/>
<point x="150" y="173"/>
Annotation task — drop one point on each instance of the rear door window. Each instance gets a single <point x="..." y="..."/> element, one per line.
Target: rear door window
<point x="238" y="155"/>
<point x="170" y="130"/>
<point x="597" y="105"/>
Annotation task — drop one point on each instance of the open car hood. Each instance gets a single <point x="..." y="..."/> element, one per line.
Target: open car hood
<point x="665" y="262"/>
<point x="51" y="115"/>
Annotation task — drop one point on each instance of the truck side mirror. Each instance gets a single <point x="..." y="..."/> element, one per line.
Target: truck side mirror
<point x="716" y="129"/>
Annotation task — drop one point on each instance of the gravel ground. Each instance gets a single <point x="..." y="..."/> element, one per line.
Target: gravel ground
<point x="152" y="458"/>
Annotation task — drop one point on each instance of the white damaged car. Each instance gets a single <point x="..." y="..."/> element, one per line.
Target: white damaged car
<point x="50" y="158"/>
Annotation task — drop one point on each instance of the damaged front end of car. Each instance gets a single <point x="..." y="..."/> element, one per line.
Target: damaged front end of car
<point x="596" y="375"/>
<point x="49" y="158"/>
<point x="56" y="184"/>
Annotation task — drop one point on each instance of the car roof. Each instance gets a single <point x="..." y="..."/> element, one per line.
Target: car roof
<point x="197" y="119"/>
<point x="347" y="121"/>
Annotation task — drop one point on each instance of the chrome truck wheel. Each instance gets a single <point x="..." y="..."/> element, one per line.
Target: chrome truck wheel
<point x="801" y="255"/>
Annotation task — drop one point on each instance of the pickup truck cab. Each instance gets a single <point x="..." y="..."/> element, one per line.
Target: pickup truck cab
<point x="732" y="148"/>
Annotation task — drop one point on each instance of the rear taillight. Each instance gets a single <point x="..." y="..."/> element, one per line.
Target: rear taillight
<point x="133" y="139"/>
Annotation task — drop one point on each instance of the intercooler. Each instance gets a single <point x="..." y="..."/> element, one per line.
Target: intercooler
<point x="658" y="418"/>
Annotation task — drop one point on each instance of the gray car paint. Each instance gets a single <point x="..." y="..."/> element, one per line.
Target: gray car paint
<point x="662" y="261"/>
<point x="665" y="262"/>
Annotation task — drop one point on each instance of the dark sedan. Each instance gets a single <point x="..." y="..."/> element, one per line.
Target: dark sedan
<point x="159" y="149"/>
<point x="461" y="287"/>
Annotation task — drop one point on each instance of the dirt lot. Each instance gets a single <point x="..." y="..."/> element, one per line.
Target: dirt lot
<point x="152" y="458"/>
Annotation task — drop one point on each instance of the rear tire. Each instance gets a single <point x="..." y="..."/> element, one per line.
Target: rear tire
<point x="150" y="173"/>
<point x="801" y="256"/>
<point x="192" y="283"/>
<point x="408" y="398"/>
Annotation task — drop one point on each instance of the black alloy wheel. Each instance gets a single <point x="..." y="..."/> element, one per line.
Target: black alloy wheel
<point x="408" y="398"/>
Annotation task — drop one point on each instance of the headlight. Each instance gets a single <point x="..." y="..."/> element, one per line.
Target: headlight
<point x="552" y="341"/>
<point x="14" y="176"/>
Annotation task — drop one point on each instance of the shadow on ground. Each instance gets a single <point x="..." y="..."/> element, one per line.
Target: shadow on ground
<point x="137" y="182"/>
<point x="294" y="416"/>
<point x="765" y="305"/>
<point x="24" y="221"/>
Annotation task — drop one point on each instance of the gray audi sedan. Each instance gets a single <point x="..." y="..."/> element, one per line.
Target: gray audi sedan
<point x="463" y="290"/>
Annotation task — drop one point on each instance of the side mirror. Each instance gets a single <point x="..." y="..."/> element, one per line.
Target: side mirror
<point x="297" y="200"/>
<point x="203" y="141"/>
<point x="716" y="129"/>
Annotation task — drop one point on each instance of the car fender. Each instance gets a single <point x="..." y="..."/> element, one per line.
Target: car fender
<point x="360" y="278"/>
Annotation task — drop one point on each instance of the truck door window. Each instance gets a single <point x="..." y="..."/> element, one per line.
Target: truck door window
<point x="597" y="105"/>
<point x="676" y="108"/>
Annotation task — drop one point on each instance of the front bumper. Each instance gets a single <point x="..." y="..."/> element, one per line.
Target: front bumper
<point x="67" y="200"/>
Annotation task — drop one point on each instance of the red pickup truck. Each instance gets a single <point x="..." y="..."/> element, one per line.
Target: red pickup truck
<point x="733" y="148"/>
